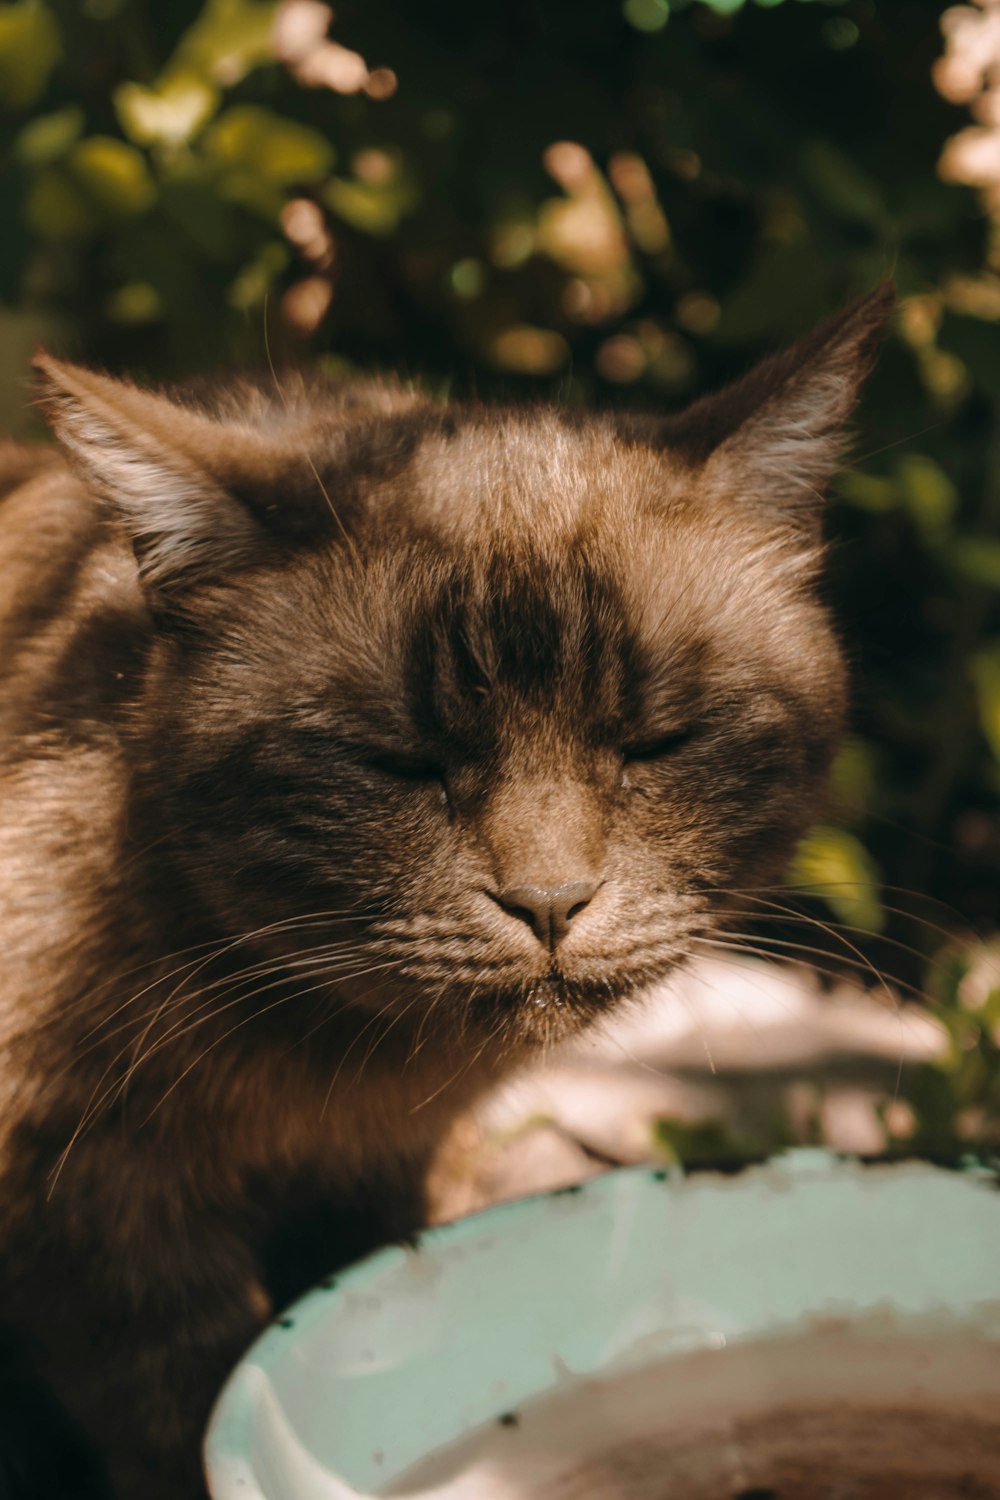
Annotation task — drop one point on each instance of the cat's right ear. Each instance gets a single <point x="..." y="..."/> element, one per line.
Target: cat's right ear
<point x="773" y="439"/>
<point x="188" y="489"/>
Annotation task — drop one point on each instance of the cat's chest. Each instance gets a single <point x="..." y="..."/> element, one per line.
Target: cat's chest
<point x="323" y="1190"/>
<point x="305" y="1142"/>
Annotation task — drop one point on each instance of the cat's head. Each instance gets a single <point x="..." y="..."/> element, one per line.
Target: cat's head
<point x="478" y="709"/>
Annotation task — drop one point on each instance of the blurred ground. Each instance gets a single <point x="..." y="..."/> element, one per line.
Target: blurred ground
<point x="732" y="1058"/>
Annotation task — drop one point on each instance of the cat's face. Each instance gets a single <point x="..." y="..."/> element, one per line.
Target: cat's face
<point x="515" y="726"/>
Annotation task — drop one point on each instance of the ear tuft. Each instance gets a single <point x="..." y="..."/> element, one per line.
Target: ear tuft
<point x="776" y="436"/>
<point x="147" y="458"/>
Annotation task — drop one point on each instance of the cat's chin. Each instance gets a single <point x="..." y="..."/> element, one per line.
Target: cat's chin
<point x="553" y="1007"/>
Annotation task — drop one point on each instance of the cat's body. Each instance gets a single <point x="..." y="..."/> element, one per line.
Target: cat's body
<point x="352" y="747"/>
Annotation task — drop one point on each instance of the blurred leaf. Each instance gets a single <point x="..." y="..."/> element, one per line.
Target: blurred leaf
<point x="928" y="493"/>
<point x="687" y="1143"/>
<point x="56" y="209"/>
<point x="842" y="184"/>
<point x="371" y="207"/>
<point x="977" y="558"/>
<point x="30" y="47"/>
<point x="49" y="137"/>
<point x="835" y="866"/>
<point x="190" y="199"/>
<point x="169" y="114"/>
<point x="100" y="179"/>
<point x="867" y="491"/>
<point x="227" y="41"/>
<point x="977" y="346"/>
<point x="113" y="175"/>
<point x="21" y="332"/>
<point x="985" y="670"/>
<point x="138" y="302"/>
<point x="281" y="151"/>
<point x="255" y="280"/>
<point x="103" y="10"/>
<point x="932" y="1095"/>
<point x="781" y="293"/>
<point x="854" y="780"/>
<point x="647" y="15"/>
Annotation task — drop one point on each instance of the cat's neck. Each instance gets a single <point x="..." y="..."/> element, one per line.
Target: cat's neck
<point x="195" y="1038"/>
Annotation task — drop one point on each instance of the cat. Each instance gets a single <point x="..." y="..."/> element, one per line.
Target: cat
<point x="354" y="748"/>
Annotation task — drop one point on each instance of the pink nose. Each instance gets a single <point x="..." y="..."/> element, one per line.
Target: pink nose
<point x="548" y="910"/>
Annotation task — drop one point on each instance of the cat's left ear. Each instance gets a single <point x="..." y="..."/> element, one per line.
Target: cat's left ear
<point x="775" y="437"/>
<point x="196" y="495"/>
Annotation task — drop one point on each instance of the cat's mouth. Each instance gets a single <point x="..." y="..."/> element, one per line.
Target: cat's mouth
<point x="556" y="990"/>
<point x="556" y="995"/>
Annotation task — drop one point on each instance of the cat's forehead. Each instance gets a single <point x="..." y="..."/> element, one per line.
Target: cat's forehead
<point x="489" y="522"/>
<point x="542" y="553"/>
<point x="482" y="470"/>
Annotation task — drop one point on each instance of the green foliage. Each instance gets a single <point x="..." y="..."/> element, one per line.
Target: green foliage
<point x="29" y="50"/>
<point x="835" y="866"/>
<point x="711" y="1142"/>
<point x="589" y="201"/>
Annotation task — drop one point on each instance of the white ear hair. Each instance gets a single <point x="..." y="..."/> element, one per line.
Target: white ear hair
<point x="143" y="454"/>
<point x="788" y="450"/>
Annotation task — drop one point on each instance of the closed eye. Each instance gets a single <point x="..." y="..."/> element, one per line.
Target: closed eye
<point x="662" y="746"/>
<point x="405" y="767"/>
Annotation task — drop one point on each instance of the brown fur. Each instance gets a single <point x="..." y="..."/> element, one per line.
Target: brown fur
<point x="296" y="686"/>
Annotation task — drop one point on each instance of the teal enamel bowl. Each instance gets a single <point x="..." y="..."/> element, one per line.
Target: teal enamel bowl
<point x="809" y="1284"/>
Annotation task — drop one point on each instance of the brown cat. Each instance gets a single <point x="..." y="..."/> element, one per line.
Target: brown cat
<point x="353" y="746"/>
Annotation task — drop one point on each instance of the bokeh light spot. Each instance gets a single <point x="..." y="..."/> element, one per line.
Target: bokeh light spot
<point x="137" y="302"/>
<point x="646" y="15"/>
<point x="382" y="83"/>
<point x="529" y="350"/>
<point x="374" y="166"/>
<point x="698" y="312"/>
<point x="569" y="163"/>
<point x="305" y="305"/>
<point x="839" y="33"/>
<point x="306" y="228"/>
<point x="587" y="301"/>
<point x="468" y="277"/>
<point x="512" y="244"/>
<point x="621" y="359"/>
<point x="685" y="164"/>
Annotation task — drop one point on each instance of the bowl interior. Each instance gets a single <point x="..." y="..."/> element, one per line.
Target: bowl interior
<point x="515" y="1353"/>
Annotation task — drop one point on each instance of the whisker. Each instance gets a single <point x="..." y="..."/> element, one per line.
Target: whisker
<point x="219" y="946"/>
<point x="244" y="1021"/>
<point x="832" y="970"/>
<point x="202" y="1012"/>
<point x="329" y="972"/>
<point x="816" y="887"/>
<point x="373" y="1020"/>
<point x="465" y="1068"/>
<point x="695" y="973"/>
<point x="862" y="957"/>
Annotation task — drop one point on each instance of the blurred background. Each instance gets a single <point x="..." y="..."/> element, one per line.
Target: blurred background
<point x="617" y="203"/>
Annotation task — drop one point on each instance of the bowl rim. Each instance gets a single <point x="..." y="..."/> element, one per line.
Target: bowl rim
<point x="229" y="1471"/>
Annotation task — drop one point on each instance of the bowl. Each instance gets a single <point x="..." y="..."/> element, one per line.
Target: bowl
<point x="809" y="1327"/>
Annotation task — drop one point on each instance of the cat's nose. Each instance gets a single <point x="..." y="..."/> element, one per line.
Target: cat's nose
<point x="548" y="910"/>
